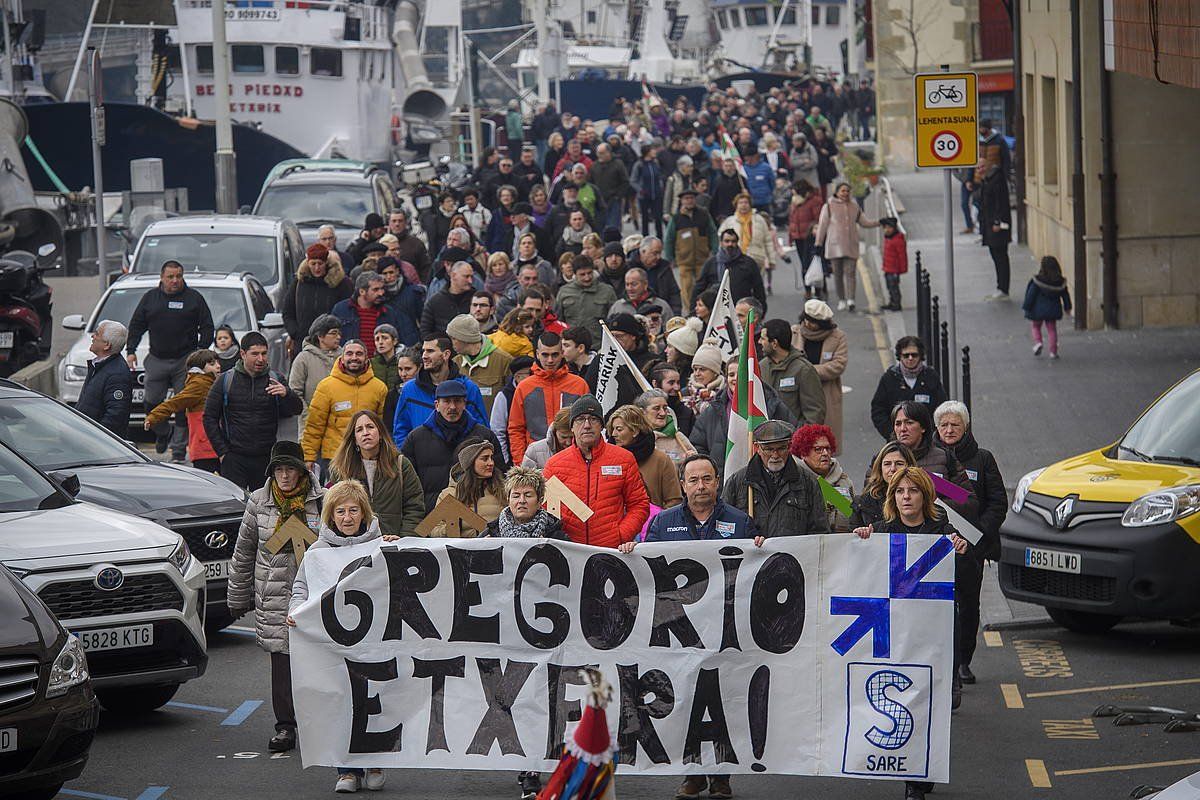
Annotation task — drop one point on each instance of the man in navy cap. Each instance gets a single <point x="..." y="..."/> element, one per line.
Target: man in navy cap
<point x="431" y="446"/>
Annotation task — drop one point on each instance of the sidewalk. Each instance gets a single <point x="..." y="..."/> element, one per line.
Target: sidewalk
<point x="1030" y="411"/>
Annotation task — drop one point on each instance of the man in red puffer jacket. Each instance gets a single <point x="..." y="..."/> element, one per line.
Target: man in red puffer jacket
<point x="603" y="476"/>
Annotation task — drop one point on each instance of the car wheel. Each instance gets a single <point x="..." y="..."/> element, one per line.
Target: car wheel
<point x="136" y="699"/>
<point x="44" y="793"/>
<point x="1083" y="621"/>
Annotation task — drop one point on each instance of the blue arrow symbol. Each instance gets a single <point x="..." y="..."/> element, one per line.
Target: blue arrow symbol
<point x="906" y="581"/>
<point x="873" y="615"/>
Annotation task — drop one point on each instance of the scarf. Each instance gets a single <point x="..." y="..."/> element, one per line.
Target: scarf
<point x="745" y="228"/>
<point x="911" y="374"/>
<point x="535" y="528"/>
<point x="229" y="352"/>
<point x="488" y="346"/>
<point x="642" y="447"/>
<point x="450" y="432"/>
<point x="670" y="429"/>
<point x="575" y="237"/>
<point x="499" y="285"/>
<point x="290" y="503"/>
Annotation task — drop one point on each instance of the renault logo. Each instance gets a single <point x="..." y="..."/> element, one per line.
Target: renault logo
<point x="109" y="579"/>
<point x="215" y="540"/>
<point x="1063" y="512"/>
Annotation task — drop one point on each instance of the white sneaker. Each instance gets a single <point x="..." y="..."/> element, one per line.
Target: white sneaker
<point x="994" y="296"/>
<point x="841" y="306"/>
<point x="1037" y="349"/>
<point x="346" y="784"/>
<point x="374" y="779"/>
<point x="1054" y="356"/>
<point x="849" y="305"/>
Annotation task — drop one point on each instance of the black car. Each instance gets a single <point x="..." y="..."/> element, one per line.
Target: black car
<point x="48" y="712"/>
<point x="204" y="508"/>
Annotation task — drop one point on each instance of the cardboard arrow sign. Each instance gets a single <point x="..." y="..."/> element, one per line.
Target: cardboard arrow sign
<point x="296" y="533"/>
<point x="454" y="518"/>
<point x="558" y="495"/>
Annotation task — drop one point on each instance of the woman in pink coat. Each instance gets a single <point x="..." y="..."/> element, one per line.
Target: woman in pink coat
<point x="837" y="231"/>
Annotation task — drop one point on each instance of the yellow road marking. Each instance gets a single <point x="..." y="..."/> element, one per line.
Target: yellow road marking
<point x="1012" y="695"/>
<point x="1183" y="762"/>
<point x="1070" y="728"/>
<point x="1037" y="773"/>
<point x="881" y="342"/>
<point x="992" y="639"/>
<point x="1113" y="687"/>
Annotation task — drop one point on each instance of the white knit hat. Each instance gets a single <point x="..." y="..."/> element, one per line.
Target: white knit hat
<point x="687" y="338"/>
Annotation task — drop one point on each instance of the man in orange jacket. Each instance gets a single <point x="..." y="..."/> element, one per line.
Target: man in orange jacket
<point x="539" y="397"/>
<point x="605" y="477"/>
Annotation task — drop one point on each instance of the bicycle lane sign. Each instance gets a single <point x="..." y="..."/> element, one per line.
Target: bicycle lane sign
<point x="946" y="119"/>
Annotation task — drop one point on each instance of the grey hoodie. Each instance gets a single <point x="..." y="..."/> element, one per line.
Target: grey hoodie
<point x="327" y="537"/>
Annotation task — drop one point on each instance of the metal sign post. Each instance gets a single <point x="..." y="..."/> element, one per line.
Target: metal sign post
<point x="946" y="137"/>
<point x="96" y="103"/>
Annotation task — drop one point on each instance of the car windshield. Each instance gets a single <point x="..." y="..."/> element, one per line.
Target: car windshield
<point x="211" y="252"/>
<point x="22" y="488"/>
<point x="1169" y="431"/>
<point x="311" y="204"/>
<point x="53" y="436"/>
<point x="227" y="304"/>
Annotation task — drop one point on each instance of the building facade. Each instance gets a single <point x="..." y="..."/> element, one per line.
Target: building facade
<point x="1139" y="182"/>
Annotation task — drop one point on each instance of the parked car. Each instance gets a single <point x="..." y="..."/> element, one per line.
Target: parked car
<point x="316" y="192"/>
<point x="268" y="248"/>
<point x="203" y="508"/>
<point x="129" y="589"/>
<point x="48" y="711"/>
<point x="1115" y="532"/>
<point x="237" y="300"/>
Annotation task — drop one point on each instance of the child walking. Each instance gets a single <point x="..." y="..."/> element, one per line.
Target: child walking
<point x="1046" y="297"/>
<point x="895" y="260"/>
<point x="203" y="366"/>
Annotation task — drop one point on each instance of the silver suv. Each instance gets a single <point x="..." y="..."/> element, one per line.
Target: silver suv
<point x="129" y="589"/>
<point x="316" y="192"/>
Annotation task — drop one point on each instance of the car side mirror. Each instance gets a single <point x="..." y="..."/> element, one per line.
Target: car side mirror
<point x="67" y="481"/>
<point x="272" y="320"/>
<point x="74" y="322"/>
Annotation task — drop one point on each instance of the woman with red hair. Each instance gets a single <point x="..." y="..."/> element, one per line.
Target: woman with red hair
<point x="815" y="445"/>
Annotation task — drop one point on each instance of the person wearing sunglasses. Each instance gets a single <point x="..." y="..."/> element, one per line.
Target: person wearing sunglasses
<point x="910" y="378"/>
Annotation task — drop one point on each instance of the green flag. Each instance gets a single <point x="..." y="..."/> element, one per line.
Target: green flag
<point x="834" y="497"/>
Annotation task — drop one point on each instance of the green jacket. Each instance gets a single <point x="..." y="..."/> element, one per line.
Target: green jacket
<point x="399" y="502"/>
<point x="798" y="385"/>
<point x="577" y="306"/>
<point x="386" y="371"/>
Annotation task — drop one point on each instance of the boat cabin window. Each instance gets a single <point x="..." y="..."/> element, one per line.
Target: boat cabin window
<point x="287" y="60"/>
<point x="247" y="58"/>
<point x="735" y="18"/>
<point x="204" y="59"/>
<point x="722" y="19"/>
<point x="326" y="61"/>
<point x="832" y="15"/>
<point x="756" y="16"/>
<point x="789" y="16"/>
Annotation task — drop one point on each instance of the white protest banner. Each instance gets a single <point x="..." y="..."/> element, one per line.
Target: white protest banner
<point x="612" y="357"/>
<point x="812" y="655"/>
<point x="724" y="329"/>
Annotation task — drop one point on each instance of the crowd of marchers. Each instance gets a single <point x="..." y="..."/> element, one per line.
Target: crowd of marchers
<point x="463" y="365"/>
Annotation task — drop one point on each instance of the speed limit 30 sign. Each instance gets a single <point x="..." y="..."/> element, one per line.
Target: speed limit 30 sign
<point x="947" y="124"/>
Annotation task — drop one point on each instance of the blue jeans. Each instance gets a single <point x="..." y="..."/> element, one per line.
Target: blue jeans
<point x="965" y="200"/>
<point x="612" y="214"/>
<point x="350" y="771"/>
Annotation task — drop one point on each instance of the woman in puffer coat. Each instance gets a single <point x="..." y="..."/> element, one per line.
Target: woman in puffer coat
<point x="557" y="438"/>
<point x="346" y="520"/>
<point x="261" y="580"/>
<point x="315" y="361"/>
<point x="837" y="233"/>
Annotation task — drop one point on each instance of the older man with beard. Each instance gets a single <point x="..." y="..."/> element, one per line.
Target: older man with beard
<point x="781" y="498"/>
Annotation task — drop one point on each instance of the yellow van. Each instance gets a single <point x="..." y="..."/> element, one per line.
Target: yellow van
<point x="1114" y="532"/>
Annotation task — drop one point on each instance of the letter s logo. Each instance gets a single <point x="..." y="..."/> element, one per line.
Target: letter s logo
<point x="902" y="719"/>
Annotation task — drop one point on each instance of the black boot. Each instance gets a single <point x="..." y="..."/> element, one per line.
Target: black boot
<point x="283" y="740"/>
<point x="956" y="693"/>
<point x="965" y="674"/>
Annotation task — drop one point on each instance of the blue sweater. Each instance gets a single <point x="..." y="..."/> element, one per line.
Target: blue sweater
<point x="678" y="525"/>
<point x="760" y="183"/>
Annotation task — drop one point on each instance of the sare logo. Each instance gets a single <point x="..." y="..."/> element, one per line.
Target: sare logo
<point x="888" y="716"/>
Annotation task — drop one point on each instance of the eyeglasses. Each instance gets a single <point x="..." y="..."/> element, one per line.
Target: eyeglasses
<point x="822" y="448"/>
<point x="774" y="448"/>
<point x="910" y="355"/>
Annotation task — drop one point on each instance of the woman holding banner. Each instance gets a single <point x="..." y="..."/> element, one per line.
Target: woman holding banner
<point x="261" y="574"/>
<point x="908" y="508"/>
<point x="346" y="519"/>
